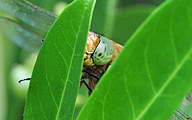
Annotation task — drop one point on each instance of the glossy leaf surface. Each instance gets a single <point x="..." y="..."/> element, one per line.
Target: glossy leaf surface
<point x="152" y="74"/>
<point x="55" y="79"/>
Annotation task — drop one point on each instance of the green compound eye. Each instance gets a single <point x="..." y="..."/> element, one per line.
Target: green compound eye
<point x="104" y="51"/>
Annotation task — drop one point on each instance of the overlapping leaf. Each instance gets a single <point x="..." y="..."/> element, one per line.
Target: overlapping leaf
<point x="55" y="80"/>
<point x="152" y="74"/>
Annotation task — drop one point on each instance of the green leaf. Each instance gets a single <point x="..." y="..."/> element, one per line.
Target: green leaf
<point x="128" y="20"/>
<point x="103" y="16"/>
<point x="55" y="79"/>
<point x="153" y="72"/>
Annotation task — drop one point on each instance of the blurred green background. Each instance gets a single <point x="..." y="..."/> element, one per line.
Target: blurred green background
<point x="116" y="19"/>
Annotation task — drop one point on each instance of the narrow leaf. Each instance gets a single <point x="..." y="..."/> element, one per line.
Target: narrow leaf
<point x="55" y="79"/>
<point x="152" y="74"/>
<point x="128" y="19"/>
<point x="103" y="16"/>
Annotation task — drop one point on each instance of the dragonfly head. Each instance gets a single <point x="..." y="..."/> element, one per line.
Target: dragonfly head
<point x="99" y="50"/>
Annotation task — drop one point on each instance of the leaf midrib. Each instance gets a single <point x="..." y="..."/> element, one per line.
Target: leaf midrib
<point x="67" y="79"/>
<point x="170" y="78"/>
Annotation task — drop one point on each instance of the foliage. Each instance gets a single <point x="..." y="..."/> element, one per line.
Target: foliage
<point x="54" y="82"/>
<point x="148" y="79"/>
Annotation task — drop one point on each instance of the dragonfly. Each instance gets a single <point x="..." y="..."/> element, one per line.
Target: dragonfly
<point x="99" y="54"/>
<point x="100" y="51"/>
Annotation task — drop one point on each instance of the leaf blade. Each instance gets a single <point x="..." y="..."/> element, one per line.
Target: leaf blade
<point x="151" y="75"/>
<point x="55" y="80"/>
<point x="103" y="18"/>
<point x="128" y="20"/>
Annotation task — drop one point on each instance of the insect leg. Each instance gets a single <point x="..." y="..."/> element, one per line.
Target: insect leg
<point x="93" y="75"/>
<point x="83" y="81"/>
<point x="105" y="68"/>
<point x="91" y="82"/>
<point x="24" y="80"/>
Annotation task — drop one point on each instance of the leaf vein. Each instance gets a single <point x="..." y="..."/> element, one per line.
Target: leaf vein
<point x="62" y="57"/>
<point x="39" y="100"/>
<point x="147" y="66"/>
<point x="49" y="86"/>
<point x="105" y="97"/>
<point x="172" y="40"/>
<point x="68" y="42"/>
<point x="73" y="28"/>
<point x="169" y="79"/>
<point x="128" y="94"/>
<point x="41" y="104"/>
<point x="70" y="65"/>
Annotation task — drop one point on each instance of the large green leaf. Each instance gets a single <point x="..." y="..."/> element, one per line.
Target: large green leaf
<point x="152" y="74"/>
<point x="55" y="79"/>
<point x="128" y="19"/>
<point x="103" y="16"/>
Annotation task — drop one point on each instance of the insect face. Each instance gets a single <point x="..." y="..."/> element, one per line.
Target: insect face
<point x="99" y="50"/>
<point x="104" y="52"/>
